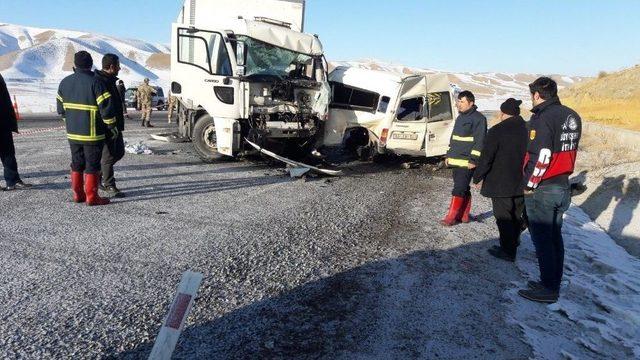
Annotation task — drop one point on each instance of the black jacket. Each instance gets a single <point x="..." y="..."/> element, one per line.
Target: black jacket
<point x="86" y="106"/>
<point x="8" y="119"/>
<point x="110" y="82"/>
<point x="555" y="132"/>
<point x="467" y="138"/>
<point x="122" y="90"/>
<point x="500" y="166"/>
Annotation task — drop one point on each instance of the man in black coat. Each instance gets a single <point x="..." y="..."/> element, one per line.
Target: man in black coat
<point x="122" y="90"/>
<point x="499" y="174"/>
<point x="113" y="150"/>
<point x="8" y="125"/>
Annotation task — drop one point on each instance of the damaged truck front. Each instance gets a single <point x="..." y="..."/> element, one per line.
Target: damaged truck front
<point x="248" y="72"/>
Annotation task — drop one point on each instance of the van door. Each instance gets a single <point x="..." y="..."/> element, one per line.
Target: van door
<point x="408" y="129"/>
<point x="202" y="75"/>
<point x="441" y="116"/>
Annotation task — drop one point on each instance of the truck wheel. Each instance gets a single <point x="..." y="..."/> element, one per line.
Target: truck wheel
<point x="205" y="140"/>
<point x="160" y="106"/>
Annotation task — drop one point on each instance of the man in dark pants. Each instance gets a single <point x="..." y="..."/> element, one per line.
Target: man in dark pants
<point x="499" y="174"/>
<point x="122" y="90"/>
<point x="114" y="146"/>
<point x="464" y="153"/>
<point x="554" y="135"/>
<point x="8" y="125"/>
<point x="87" y="108"/>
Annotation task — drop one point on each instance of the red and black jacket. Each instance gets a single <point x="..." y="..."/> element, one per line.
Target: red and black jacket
<point x="554" y="134"/>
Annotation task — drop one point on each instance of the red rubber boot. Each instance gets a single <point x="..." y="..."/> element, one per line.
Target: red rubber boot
<point x="77" y="185"/>
<point x="91" y="182"/>
<point x="466" y="213"/>
<point x="455" y="209"/>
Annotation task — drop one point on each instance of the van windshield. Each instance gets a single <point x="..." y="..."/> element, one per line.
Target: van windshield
<point x="267" y="60"/>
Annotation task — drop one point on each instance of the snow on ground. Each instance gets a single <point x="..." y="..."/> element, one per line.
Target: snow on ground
<point x="598" y="315"/>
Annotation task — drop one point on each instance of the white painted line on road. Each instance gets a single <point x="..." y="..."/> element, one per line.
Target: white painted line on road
<point x="174" y="323"/>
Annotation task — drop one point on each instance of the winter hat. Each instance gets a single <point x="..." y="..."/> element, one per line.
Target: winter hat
<point x="83" y="60"/>
<point x="511" y="107"/>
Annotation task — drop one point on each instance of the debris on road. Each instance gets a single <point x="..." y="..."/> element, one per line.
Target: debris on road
<point x="293" y="163"/>
<point x="138" y="149"/>
<point x="298" y="172"/>
<point x="169" y="137"/>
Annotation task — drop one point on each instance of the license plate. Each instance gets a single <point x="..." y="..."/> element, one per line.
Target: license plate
<point x="404" y="136"/>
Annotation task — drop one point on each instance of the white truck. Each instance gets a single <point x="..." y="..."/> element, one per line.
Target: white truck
<point x="244" y="69"/>
<point x="375" y="112"/>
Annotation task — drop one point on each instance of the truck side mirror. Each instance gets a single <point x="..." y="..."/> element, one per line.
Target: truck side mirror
<point x="241" y="57"/>
<point x="241" y="54"/>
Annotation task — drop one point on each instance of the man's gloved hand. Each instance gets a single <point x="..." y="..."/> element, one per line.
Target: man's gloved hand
<point x="114" y="131"/>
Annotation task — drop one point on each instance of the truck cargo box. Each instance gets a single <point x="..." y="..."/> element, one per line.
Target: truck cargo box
<point x="206" y="12"/>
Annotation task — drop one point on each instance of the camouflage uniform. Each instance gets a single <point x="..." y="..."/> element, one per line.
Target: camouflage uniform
<point x="145" y="95"/>
<point x="172" y="104"/>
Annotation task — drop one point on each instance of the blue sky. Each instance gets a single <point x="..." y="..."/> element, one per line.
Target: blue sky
<point x="539" y="36"/>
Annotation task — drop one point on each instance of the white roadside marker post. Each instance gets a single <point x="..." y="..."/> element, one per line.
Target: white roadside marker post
<point x="174" y="323"/>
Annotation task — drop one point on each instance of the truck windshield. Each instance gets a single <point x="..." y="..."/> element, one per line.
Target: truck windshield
<point x="267" y="60"/>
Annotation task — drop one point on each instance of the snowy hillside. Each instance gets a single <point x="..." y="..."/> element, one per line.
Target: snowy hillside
<point x="34" y="60"/>
<point x="491" y="88"/>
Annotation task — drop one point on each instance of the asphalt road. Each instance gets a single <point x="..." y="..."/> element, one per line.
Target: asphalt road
<point x="354" y="267"/>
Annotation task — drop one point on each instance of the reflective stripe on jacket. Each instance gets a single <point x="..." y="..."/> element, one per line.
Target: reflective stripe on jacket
<point x="467" y="138"/>
<point x="86" y="106"/>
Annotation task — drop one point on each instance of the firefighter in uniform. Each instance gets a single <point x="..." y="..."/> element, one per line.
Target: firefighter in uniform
<point x="86" y="106"/>
<point x="114" y="146"/>
<point x="145" y="97"/>
<point x="464" y="153"/>
<point x="172" y="104"/>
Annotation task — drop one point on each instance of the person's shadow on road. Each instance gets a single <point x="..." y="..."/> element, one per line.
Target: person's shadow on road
<point x="598" y="201"/>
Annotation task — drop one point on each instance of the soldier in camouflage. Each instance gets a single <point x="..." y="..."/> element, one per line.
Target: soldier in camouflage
<point x="172" y="104"/>
<point x="145" y="95"/>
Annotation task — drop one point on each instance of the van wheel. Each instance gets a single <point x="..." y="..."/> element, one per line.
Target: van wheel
<point x="205" y="139"/>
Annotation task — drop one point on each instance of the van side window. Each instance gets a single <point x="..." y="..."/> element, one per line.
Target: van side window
<point x="440" y="106"/>
<point x="205" y="50"/>
<point x="411" y="109"/>
<point x="347" y="97"/>
<point x="384" y="104"/>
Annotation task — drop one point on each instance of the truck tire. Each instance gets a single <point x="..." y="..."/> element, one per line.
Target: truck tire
<point x="204" y="140"/>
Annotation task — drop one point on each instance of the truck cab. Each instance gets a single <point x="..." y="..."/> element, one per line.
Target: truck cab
<point x="385" y="112"/>
<point x="247" y="72"/>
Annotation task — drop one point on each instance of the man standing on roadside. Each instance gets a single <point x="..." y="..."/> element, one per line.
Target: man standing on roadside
<point x="499" y="174"/>
<point x="9" y="125"/>
<point x="145" y="98"/>
<point x="464" y="153"/>
<point x="87" y="109"/>
<point x="113" y="150"/>
<point x="555" y="132"/>
<point x="172" y="104"/>
<point x="122" y="90"/>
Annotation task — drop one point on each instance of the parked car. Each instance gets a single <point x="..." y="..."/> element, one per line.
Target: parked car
<point x="159" y="101"/>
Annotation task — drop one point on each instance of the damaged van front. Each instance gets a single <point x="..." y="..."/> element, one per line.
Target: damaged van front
<point x="375" y="112"/>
